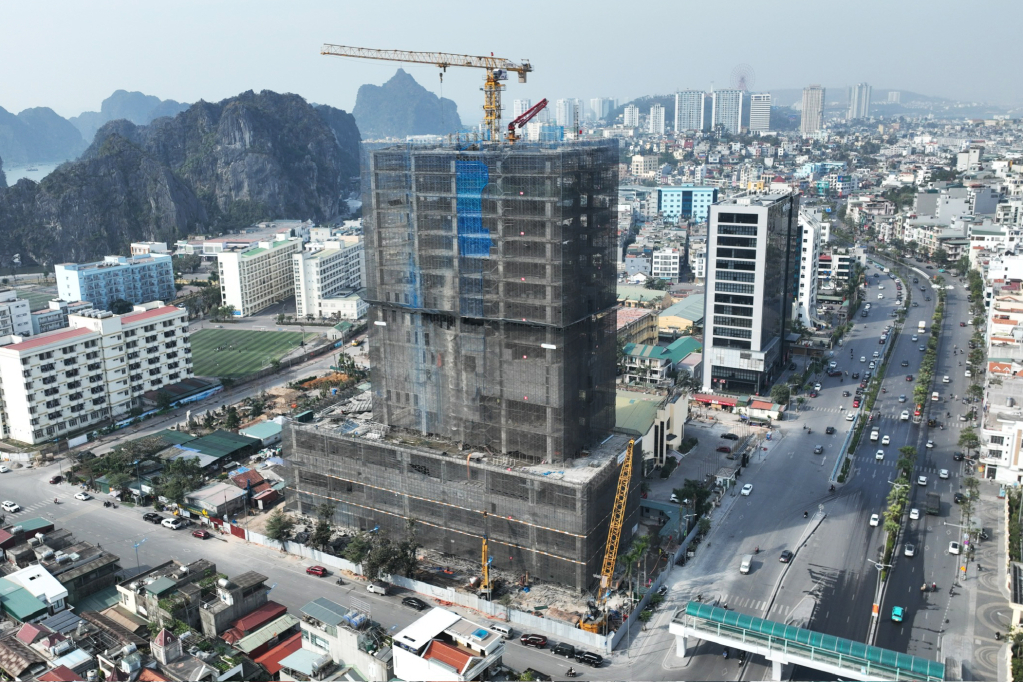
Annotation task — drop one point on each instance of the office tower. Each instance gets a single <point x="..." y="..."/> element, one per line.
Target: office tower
<point x="491" y="279"/>
<point x="752" y="244"/>
<point x="859" y="101"/>
<point x="894" y="97"/>
<point x="601" y="107"/>
<point x="812" y="118"/>
<point x="727" y="110"/>
<point x="631" y="116"/>
<point x="760" y="113"/>
<point x="655" y="121"/>
<point x="689" y="110"/>
<point x="521" y="106"/>
<point x="136" y="279"/>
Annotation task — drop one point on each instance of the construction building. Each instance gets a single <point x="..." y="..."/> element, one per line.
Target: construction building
<point x="491" y="280"/>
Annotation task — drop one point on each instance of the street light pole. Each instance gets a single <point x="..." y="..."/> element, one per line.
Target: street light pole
<point x="138" y="568"/>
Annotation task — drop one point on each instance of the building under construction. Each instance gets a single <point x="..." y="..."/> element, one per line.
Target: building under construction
<point x="491" y="277"/>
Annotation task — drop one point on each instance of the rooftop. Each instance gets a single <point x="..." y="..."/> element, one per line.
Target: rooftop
<point x="46" y="339"/>
<point x="423" y="630"/>
<point x="133" y="318"/>
<point x="689" y="308"/>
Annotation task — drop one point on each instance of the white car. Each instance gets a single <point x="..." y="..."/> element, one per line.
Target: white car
<point x="833" y="365"/>
<point x="904" y="415"/>
<point x="872" y="364"/>
<point x="930" y="443"/>
<point x="887" y="440"/>
<point x="874" y="519"/>
<point x="3" y="469"/>
<point x="902" y="398"/>
<point x="914" y="338"/>
<point x="817" y="387"/>
<point x="944" y="379"/>
<point x="83" y="496"/>
<point x="863" y="358"/>
<point x="943" y="473"/>
<point x="173" y="524"/>
<point x="921" y="480"/>
<point x="849" y="416"/>
<point x="674" y="498"/>
<point x="879" y="455"/>
<point x="747" y="489"/>
<point x="880" y="295"/>
<point x="909" y="550"/>
<point x="953" y="547"/>
<point x="914" y="514"/>
<point x="877" y="354"/>
<point x="967" y="374"/>
<point x="9" y="506"/>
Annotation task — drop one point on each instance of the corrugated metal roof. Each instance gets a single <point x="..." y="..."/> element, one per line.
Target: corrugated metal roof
<point x="325" y="611"/>
<point x="266" y="633"/>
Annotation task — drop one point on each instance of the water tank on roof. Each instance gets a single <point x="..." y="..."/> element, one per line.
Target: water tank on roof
<point x="224" y="582"/>
<point x="16" y="529"/>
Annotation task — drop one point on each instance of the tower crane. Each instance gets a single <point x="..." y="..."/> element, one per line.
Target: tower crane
<point x="497" y="69"/>
<point x="614" y="534"/>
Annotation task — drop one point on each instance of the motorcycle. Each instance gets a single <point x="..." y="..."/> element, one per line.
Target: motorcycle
<point x="884" y="390"/>
<point x="339" y="581"/>
<point x="806" y="515"/>
<point x="809" y="430"/>
<point x="571" y="673"/>
<point x="832" y="488"/>
<point x="106" y="503"/>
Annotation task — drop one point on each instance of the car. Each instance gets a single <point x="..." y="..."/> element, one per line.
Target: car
<point x="829" y="430"/>
<point x="537" y="641"/>
<point x="915" y="304"/>
<point x="564" y="649"/>
<point x="914" y="514"/>
<point x="945" y="379"/>
<point x="877" y="354"/>
<point x="909" y="549"/>
<point x="724" y="448"/>
<point x="849" y="416"/>
<point x="967" y="374"/>
<point x="152" y="517"/>
<point x="863" y="384"/>
<point x="958" y="456"/>
<point x="930" y="444"/>
<point x="904" y="363"/>
<point x="856" y="402"/>
<point x="953" y="547"/>
<point x="834" y="373"/>
<point x="922" y="348"/>
<point x="730" y="436"/>
<point x="886" y="440"/>
<point x="929" y="267"/>
<point x="921" y="480"/>
<point x="83" y="496"/>
<point x="879" y="455"/>
<point x="923" y="288"/>
<point x="958" y="498"/>
<point x="872" y="364"/>
<point x="747" y="489"/>
<point x="318" y="571"/>
<point x="415" y="603"/>
<point x="832" y="364"/>
<point x="855" y="375"/>
<point x="863" y="358"/>
<point x="927" y="298"/>
<point x="814" y="394"/>
<point x="902" y="398"/>
<point x="172" y="523"/>
<point x="874" y="519"/>
<point x="56" y="479"/>
<point x="817" y="387"/>
<point x="589" y="658"/>
<point x="897" y="612"/>
<point x="880" y="286"/>
<point x="904" y="415"/>
<point x="3" y="469"/>
<point x="786" y="556"/>
<point x="909" y="377"/>
<point x="846" y="394"/>
<point x="9" y="506"/>
<point x="819" y="450"/>
<point x="202" y="534"/>
<point x="880" y="295"/>
<point x="962" y="324"/>
<point x="867" y="375"/>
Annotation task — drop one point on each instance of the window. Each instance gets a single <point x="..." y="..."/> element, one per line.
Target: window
<point x="997" y="440"/>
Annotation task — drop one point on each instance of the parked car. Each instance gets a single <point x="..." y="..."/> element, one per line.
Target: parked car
<point x="730" y="436"/>
<point x="856" y="402"/>
<point x="855" y="375"/>
<point x="962" y="324"/>
<point x="724" y="448"/>
<point x="958" y="456"/>
<point x="537" y="641"/>
<point x="152" y="517"/>
<point x="318" y="571"/>
<point x="953" y="547"/>
<point x="958" y="498"/>
<point x="930" y="444"/>
<point x="172" y="523"/>
<point x="3" y="469"/>
<point x="564" y="649"/>
<point x="747" y="489"/>
<point x="202" y="534"/>
<point x="589" y="658"/>
<point x="909" y="377"/>
<point x="414" y="603"/>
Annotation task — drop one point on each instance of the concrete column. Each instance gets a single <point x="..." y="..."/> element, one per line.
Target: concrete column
<point x="680" y="646"/>
<point x="776" y="670"/>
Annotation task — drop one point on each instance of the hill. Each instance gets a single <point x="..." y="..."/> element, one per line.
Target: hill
<point x="136" y="107"/>
<point x="402" y="107"/>
<point x="37" y="135"/>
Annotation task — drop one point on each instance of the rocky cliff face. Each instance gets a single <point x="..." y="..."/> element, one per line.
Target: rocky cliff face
<point x="136" y="107"/>
<point x="401" y="107"/>
<point x="3" y="178"/>
<point x="211" y="168"/>
<point x="37" y="135"/>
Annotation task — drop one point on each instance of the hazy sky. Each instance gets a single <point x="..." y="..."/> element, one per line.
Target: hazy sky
<point x="71" y="55"/>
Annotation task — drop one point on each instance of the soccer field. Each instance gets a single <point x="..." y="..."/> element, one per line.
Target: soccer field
<point x="237" y="352"/>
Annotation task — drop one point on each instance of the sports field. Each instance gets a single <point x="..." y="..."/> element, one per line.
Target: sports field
<point x="237" y="352"/>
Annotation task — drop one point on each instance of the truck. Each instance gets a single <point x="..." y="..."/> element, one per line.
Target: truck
<point x="921" y="327"/>
<point x="933" y="504"/>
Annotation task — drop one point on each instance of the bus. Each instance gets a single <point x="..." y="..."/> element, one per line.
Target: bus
<point x="921" y="328"/>
<point x="917" y="414"/>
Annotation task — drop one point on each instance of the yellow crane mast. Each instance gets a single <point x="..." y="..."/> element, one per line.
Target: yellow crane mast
<point x="485" y="586"/>
<point x="497" y="69"/>
<point x="614" y="535"/>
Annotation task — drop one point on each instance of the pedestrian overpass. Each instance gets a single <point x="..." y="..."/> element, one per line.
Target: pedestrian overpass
<point x="787" y="644"/>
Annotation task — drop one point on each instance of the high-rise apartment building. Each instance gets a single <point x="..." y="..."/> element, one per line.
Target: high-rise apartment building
<point x="136" y="279"/>
<point x="566" y="113"/>
<point x="491" y="278"/>
<point x="728" y="110"/>
<point x="64" y="381"/>
<point x="859" y="101"/>
<point x="323" y="273"/>
<point x="655" y="120"/>
<point x="760" y="112"/>
<point x="812" y="118"/>
<point x="894" y="97"/>
<point x="752" y="256"/>
<point x="15" y="316"/>
<point x="810" y="240"/>
<point x="601" y="108"/>
<point x="252" y="279"/>
<point x="631" y="116"/>
<point x="521" y="106"/>
<point x="689" y="110"/>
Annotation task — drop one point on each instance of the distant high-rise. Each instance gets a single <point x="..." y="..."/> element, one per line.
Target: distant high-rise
<point x="521" y="106"/>
<point x="894" y="96"/>
<point x="727" y="111"/>
<point x="655" y="121"/>
<point x="689" y="110"/>
<point x="632" y="116"/>
<point x="813" y="110"/>
<point x="566" y="113"/>
<point x="760" y="113"/>
<point x="600" y="108"/>
<point x="859" y="101"/>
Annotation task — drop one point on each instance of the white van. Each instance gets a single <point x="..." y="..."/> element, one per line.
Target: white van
<point x="874" y="435"/>
<point x="935" y="397"/>
<point x="747" y="561"/>
<point x="503" y="630"/>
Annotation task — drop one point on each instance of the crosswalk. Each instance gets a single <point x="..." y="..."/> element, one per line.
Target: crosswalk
<point x="42" y="507"/>
<point x="953" y="423"/>
<point x="753" y="607"/>
<point x="891" y="458"/>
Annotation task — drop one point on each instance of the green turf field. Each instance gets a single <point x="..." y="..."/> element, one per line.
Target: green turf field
<point x="37" y="298"/>
<point x="241" y="351"/>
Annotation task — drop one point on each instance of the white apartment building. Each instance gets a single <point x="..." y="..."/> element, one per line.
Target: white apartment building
<point x="98" y="368"/>
<point x="655" y="121"/>
<point x="326" y="271"/>
<point x="697" y="256"/>
<point x="859" y="101"/>
<point x="644" y="165"/>
<point x="805" y="309"/>
<point x="566" y="113"/>
<point x="689" y="110"/>
<point x="812" y="119"/>
<point x="727" y="110"/>
<point x="333" y="637"/>
<point x="252" y="279"/>
<point x="632" y="116"/>
<point x="521" y="106"/>
<point x="441" y="645"/>
<point x="15" y="316"/>
<point x="760" y="112"/>
<point x="666" y="264"/>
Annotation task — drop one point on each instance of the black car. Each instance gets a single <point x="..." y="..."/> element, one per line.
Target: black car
<point x="730" y="436"/>
<point x="958" y="456"/>
<point x="831" y="429"/>
<point x="958" y="498"/>
<point x="786" y="556"/>
<point x="845" y="394"/>
<point x="855" y="375"/>
<point x="819" y="450"/>
<point x="152" y="517"/>
<point x="904" y="363"/>
<point x="414" y="603"/>
<point x="566" y="650"/>
<point x="589" y="658"/>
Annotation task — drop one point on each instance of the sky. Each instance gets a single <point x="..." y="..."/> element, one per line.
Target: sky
<point x="69" y="56"/>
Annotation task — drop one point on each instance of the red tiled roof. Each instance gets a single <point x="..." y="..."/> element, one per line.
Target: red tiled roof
<point x="271" y="660"/>
<point x="132" y="318"/>
<point x="61" y="673"/>
<point x="260" y="617"/>
<point x="150" y="675"/>
<point x="243" y="479"/>
<point x="30" y="633"/>
<point x="48" y="338"/>
<point x="761" y="404"/>
<point x="446" y="653"/>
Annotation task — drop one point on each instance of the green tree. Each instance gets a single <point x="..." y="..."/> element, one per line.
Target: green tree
<point x="940" y="256"/>
<point x="406" y="559"/>
<point x="164" y="400"/>
<point x="968" y="439"/>
<point x="322" y="534"/>
<point x="118" y="481"/>
<point x="232" y="421"/>
<point x="780" y="393"/>
<point x="975" y="391"/>
<point x="358" y="548"/>
<point x="278" y="526"/>
<point x="657" y="284"/>
<point x="180" y="477"/>
<point x="119" y="306"/>
<point x="697" y="494"/>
